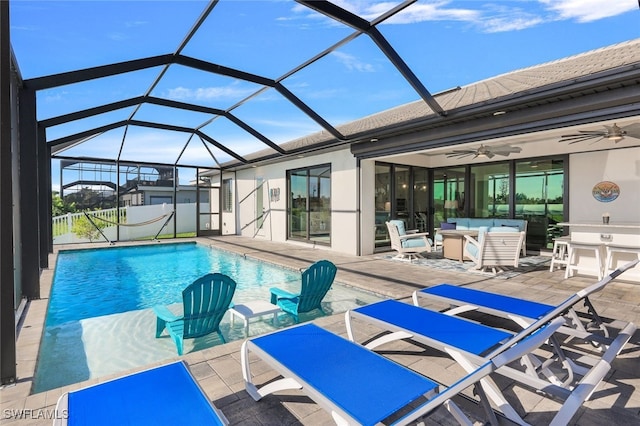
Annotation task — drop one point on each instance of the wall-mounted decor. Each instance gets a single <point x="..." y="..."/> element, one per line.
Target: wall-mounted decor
<point x="605" y="191"/>
<point x="274" y="194"/>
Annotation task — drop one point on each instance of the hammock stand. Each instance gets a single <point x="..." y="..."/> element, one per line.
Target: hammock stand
<point x="150" y="221"/>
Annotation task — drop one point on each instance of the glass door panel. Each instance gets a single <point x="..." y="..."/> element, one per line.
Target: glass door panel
<point x="448" y="194"/>
<point x="420" y="199"/>
<point x="382" y="203"/>
<point x="402" y="196"/>
<point x="298" y="197"/>
<point x="539" y="199"/>
<point x="490" y="195"/>
<point x="320" y="204"/>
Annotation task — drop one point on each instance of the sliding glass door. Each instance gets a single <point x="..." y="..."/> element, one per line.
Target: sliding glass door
<point x="309" y="204"/>
<point x="539" y="199"/>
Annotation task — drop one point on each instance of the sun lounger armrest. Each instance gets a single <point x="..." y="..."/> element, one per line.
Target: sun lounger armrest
<point x="165" y="314"/>
<point x="278" y="293"/>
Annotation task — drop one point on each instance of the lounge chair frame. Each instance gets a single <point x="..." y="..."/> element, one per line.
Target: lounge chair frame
<point x="436" y="395"/>
<point x="424" y="323"/>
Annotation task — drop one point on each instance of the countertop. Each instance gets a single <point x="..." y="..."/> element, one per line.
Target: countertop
<point x="612" y="225"/>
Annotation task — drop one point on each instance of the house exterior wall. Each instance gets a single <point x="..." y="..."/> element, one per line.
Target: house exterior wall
<point x="621" y="166"/>
<point x="344" y="202"/>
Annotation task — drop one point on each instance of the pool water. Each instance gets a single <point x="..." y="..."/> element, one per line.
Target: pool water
<point x="100" y="319"/>
<point x="91" y="283"/>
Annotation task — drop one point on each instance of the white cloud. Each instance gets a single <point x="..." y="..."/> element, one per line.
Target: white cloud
<point x="208" y="93"/>
<point x="352" y="63"/>
<point x="118" y="36"/>
<point x="589" y="10"/>
<point x="497" y="16"/>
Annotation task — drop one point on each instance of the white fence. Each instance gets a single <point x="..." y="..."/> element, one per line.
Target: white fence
<point x="137" y="222"/>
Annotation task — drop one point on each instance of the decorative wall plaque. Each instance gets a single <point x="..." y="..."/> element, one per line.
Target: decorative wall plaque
<point x="605" y="191"/>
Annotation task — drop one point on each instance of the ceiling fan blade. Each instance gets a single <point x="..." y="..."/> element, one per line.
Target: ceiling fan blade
<point x="577" y="138"/>
<point x="458" y="154"/>
<point x="594" y="132"/>
<point x="489" y="155"/>
<point x="506" y="150"/>
<point x="632" y="130"/>
<point x="593" y="140"/>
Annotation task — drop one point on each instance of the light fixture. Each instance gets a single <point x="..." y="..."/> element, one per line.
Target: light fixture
<point x="497" y="113"/>
<point x="616" y="134"/>
<point x="374" y="140"/>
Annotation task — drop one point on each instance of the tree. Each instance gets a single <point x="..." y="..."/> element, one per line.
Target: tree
<point x="60" y="207"/>
<point x="83" y="228"/>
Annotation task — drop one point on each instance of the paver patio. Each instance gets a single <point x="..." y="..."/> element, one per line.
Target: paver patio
<point x="217" y="369"/>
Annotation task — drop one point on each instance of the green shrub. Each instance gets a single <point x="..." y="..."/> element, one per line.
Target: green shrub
<point x="83" y="228"/>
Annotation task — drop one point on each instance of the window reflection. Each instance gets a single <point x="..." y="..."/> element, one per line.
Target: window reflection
<point x="490" y="195"/>
<point x="448" y="194"/>
<point x="539" y="199"/>
<point x="309" y="216"/>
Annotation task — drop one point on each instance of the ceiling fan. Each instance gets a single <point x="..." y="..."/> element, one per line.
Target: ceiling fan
<point x="613" y="133"/>
<point x="483" y="152"/>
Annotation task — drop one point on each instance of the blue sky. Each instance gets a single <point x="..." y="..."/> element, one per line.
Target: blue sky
<point x="445" y="43"/>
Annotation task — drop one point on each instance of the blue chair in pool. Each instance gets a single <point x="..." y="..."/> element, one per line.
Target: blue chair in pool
<point x="204" y="302"/>
<point x="316" y="282"/>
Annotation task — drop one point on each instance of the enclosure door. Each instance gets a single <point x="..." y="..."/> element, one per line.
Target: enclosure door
<point x="209" y="213"/>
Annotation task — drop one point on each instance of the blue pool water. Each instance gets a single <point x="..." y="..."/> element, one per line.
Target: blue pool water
<point x="100" y="320"/>
<point x="92" y="283"/>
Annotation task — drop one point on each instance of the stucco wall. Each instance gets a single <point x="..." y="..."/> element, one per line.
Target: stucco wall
<point x="621" y="166"/>
<point x="344" y="220"/>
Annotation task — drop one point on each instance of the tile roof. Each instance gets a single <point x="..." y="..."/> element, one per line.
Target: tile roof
<point x="562" y="71"/>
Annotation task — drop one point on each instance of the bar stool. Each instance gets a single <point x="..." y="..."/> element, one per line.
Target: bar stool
<point x="571" y="261"/>
<point x="617" y="248"/>
<point x="560" y="254"/>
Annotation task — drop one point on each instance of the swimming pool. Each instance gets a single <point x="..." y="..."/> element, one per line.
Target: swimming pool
<point x="100" y="320"/>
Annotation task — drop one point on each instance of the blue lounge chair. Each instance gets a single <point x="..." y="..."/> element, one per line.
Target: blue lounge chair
<point x="204" y="303"/>
<point x="522" y="312"/>
<point x="471" y="344"/>
<point x="358" y="386"/>
<point x="167" y="395"/>
<point x="316" y="282"/>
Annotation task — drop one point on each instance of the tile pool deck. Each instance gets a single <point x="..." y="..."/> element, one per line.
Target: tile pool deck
<point x="217" y="369"/>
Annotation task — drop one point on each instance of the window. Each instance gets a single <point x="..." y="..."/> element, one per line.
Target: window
<point x="490" y="190"/>
<point x="309" y="204"/>
<point x="160" y="199"/>
<point x="227" y="196"/>
<point x="259" y="203"/>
